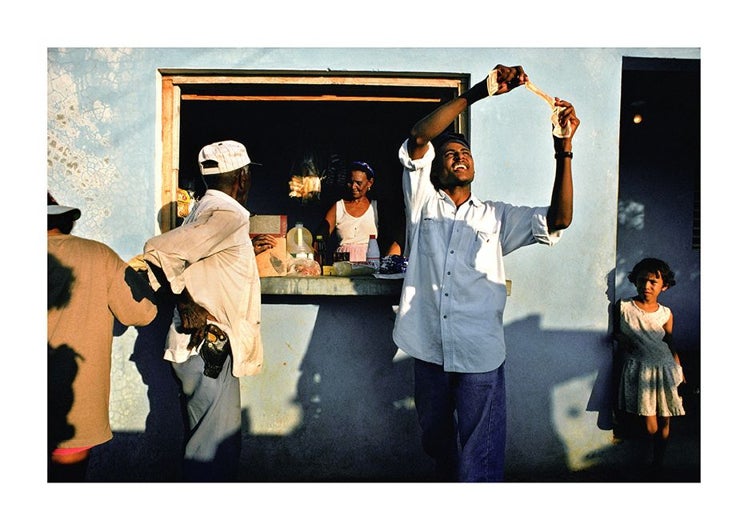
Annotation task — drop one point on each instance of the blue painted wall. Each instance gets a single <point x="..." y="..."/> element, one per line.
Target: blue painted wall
<point x="103" y="147"/>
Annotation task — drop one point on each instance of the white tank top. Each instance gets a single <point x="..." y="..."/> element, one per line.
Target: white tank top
<point x="355" y="230"/>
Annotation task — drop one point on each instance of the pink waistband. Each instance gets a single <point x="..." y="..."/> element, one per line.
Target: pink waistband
<point x="69" y="451"/>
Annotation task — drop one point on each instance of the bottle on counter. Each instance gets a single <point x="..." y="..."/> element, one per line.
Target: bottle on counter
<point x="372" y="252"/>
<point x="301" y="254"/>
<point x="299" y="242"/>
<point x="320" y="251"/>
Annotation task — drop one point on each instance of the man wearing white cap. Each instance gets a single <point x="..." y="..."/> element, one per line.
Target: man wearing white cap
<point x="88" y="286"/>
<point x="208" y="263"/>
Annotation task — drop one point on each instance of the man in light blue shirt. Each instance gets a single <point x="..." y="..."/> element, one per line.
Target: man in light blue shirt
<point x="450" y="314"/>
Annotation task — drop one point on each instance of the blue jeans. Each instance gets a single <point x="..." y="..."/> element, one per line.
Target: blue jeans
<point x="463" y="421"/>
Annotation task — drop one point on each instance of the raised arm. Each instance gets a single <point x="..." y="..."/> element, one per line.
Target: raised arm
<point x="562" y="198"/>
<point x="500" y="80"/>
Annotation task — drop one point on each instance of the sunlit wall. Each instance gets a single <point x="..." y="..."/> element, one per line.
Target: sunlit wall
<point x="103" y="157"/>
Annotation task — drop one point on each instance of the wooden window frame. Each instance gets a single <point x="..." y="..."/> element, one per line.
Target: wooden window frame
<point x="174" y="83"/>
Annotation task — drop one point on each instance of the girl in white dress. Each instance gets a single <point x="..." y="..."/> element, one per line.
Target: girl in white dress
<point x="651" y="370"/>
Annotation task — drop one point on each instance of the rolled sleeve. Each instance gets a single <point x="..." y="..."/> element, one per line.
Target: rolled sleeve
<point x="418" y="163"/>
<point x="417" y="186"/>
<point x="540" y="230"/>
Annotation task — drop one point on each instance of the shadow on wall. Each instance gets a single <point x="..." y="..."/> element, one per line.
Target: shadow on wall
<point x="562" y="391"/>
<point x="358" y="422"/>
<point x="155" y="455"/>
<point x="62" y="361"/>
<point x="560" y="398"/>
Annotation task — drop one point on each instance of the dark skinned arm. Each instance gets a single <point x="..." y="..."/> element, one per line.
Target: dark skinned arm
<point x="430" y="126"/>
<point x="562" y="198"/>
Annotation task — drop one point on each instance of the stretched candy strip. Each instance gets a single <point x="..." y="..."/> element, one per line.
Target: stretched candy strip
<point x="559" y="131"/>
<point x="532" y="87"/>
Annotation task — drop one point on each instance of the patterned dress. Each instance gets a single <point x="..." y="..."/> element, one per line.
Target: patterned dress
<point x="650" y="375"/>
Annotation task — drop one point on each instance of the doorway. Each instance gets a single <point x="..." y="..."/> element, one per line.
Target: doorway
<point x="659" y="204"/>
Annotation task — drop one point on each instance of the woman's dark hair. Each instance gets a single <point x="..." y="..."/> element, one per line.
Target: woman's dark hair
<point x="655" y="266"/>
<point x="359" y="165"/>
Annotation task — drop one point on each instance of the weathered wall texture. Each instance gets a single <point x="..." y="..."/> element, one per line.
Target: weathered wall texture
<point x="329" y="405"/>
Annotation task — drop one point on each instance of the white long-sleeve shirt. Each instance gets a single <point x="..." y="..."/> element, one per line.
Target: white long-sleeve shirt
<point x="454" y="292"/>
<point x="211" y="255"/>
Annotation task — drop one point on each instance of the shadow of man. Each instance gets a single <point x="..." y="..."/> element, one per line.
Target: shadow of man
<point x="160" y="450"/>
<point x="62" y="366"/>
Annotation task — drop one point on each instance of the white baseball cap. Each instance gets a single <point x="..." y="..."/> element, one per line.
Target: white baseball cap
<point x="223" y="157"/>
<point x="53" y="208"/>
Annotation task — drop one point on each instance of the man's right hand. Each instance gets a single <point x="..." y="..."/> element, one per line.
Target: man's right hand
<point x="503" y="79"/>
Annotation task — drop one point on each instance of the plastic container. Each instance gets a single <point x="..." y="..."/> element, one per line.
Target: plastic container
<point x="351" y="269"/>
<point x="372" y="252"/>
<point x="299" y="242"/>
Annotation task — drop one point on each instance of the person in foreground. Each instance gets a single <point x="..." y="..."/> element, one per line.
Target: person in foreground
<point x="208" y="263"/>
<point x="651" y="371"/>
<point x="450" y="313"/>
<point x="88" y="287"/>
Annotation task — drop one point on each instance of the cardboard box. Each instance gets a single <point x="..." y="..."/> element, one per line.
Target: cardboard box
<point x="273" y="262"/>
<point x="276" y="225"/>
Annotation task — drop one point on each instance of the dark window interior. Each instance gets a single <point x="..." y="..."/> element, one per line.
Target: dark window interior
<point x="284" y="126"/>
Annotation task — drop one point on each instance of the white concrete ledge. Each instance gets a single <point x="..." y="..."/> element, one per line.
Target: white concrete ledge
<point x="328" y="285"/>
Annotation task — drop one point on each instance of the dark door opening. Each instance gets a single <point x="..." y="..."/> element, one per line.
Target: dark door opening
<point x="659" y="190"/>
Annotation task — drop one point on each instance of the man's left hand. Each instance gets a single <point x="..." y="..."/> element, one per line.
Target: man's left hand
<point x="567" y="116"/>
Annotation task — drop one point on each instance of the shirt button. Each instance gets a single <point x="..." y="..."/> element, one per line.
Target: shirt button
<point x="452" y="252"/>
<point x="449" y="272"/>
<point x="445" y="316"/>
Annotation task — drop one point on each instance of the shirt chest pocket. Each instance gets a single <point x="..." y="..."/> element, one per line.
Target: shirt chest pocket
<point x="483" y="250"/>
<point x="430" y="236"/>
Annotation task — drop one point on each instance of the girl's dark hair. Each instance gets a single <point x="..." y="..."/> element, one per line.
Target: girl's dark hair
<point x="655" y="266"/>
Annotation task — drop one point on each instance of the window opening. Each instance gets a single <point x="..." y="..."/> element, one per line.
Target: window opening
<point x="290" y="119"/>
